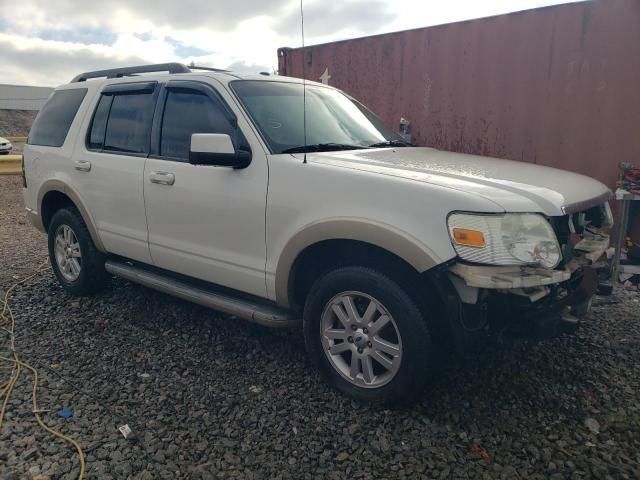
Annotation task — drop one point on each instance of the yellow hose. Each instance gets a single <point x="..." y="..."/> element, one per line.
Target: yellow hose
<point x="9" y="389"/>
<point x="16" y="366"/>
<point x="34" y="398"/>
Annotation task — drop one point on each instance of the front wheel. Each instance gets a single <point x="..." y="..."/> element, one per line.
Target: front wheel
<point x="76" y="262"/>
<point x="367" y="335"/>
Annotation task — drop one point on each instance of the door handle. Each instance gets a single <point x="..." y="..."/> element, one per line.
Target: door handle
<point x="162" y="178"/>
<point x="82" y="165"/>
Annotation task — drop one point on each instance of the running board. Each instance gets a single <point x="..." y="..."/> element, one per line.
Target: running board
<point x="252" y="310"/>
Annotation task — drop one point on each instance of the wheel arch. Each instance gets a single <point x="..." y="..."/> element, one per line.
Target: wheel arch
<point x="54" y="195"/>
<point x="348" y="235"/>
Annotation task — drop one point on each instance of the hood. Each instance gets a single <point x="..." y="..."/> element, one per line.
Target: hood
<point x="513" y="186"/>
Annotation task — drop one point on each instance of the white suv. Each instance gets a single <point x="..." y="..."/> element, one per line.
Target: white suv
<point x="217" y="188"/>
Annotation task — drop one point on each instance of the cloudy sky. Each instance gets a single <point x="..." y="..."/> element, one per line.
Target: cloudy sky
<point x="46" y="42"/>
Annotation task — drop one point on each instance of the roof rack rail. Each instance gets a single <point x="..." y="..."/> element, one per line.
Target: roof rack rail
<point x="121" y="72"/>
<point x="209" y="69"/>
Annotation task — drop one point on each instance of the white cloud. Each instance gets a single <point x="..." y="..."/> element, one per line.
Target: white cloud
<point x="44" y="42"/>
<point x="33" y="61"/>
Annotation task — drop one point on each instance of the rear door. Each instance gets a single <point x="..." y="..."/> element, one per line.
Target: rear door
<point x="110" y="164"/>
<point x="207" y="222"/>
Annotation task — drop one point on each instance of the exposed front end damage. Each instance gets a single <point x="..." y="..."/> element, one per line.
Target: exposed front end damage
<point x="530" y="301"/>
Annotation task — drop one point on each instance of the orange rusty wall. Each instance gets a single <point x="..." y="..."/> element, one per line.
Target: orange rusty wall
<point x="557" y="86"/>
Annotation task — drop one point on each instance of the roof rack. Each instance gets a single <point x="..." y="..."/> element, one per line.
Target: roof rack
<point x="121" y="72"/>
<point x="209" y="69"/>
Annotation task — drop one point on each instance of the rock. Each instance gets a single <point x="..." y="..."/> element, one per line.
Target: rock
<point x="592" y="424"/>
<point x="172" y="449"/>
<point x="159" y="456"/>
<point x="342" y="456"/>
<point x="30" y="453"/>
<point x="533" y="451"/>
<point x="384" y="444"/>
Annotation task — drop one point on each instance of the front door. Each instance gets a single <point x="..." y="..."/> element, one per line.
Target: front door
<point x="204" y="221"/>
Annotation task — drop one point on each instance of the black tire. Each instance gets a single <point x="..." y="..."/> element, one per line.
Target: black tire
<point x="417" y="350"/>
<point x="92" y="277"/>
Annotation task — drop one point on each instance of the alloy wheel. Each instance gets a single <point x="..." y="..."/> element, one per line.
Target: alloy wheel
<point x="67" y="251"/>
<point x="361" y="339"/>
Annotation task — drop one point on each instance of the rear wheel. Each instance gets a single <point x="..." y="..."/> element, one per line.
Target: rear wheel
<point x="367" y="335"/>
<point x="76" y="262"/>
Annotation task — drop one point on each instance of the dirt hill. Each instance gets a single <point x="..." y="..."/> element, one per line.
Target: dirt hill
<point x="16" y="123"/>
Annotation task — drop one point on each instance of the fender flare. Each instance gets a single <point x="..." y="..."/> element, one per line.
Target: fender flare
<point x="55" y="185"/>
<point x="391" y="239"/>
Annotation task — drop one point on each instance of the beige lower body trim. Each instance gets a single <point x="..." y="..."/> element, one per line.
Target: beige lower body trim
<point x="35" y="219"/>
<point x="399" y="243"/>
<point x="58" y="186"/>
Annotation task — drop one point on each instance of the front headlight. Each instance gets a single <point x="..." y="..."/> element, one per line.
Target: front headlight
<point x="509" y="239"/>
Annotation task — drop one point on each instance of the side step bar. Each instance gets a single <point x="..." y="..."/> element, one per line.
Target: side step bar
<point x="251" y="310"/>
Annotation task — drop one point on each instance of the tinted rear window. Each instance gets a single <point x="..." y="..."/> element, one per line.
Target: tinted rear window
<point x="129" y="123"/>
<point x="52" y="123"/>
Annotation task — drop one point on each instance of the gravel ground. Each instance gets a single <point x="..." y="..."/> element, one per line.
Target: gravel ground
<point x="210" y="396"/>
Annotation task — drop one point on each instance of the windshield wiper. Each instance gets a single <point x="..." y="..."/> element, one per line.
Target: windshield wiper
<point x="391" y="143"/>
<point x="323" y="147"/>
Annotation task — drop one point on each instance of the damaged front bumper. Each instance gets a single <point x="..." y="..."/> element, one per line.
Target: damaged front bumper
<point x="528" y="301"/>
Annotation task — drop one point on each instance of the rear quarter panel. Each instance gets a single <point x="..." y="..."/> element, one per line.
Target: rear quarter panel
<point x="46" y="165"/>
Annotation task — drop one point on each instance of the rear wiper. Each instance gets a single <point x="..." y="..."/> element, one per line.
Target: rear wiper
<point x="323" y="147"/>
<point x="391" y="143"/>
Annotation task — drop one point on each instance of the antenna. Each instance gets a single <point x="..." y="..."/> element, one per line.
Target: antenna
<point x="304" y="85"/>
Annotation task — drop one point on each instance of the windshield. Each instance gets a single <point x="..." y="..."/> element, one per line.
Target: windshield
<point x="332" y="118"/>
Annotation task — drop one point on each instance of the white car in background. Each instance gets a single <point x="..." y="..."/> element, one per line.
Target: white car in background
<point x="5" y="146"/>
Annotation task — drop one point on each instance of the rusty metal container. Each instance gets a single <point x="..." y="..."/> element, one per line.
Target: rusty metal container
<point x="557" y="86"/>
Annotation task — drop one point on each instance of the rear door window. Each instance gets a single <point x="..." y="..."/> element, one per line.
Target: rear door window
<point x="52" y="124"/>
<point x="187" y="112"/>
<point x="99" y="123"/>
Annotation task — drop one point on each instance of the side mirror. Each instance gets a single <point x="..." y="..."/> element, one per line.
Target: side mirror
<point x="217" y="149"/>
